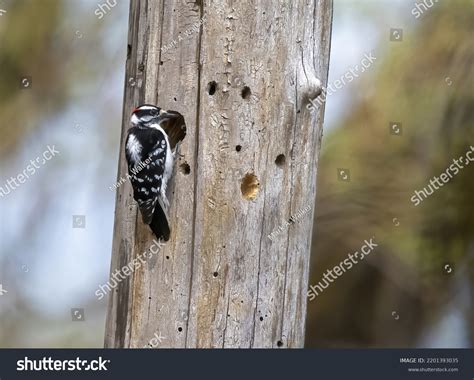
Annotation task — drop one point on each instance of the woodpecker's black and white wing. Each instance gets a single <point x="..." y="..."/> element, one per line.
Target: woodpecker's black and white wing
<point x="147" y="153"/>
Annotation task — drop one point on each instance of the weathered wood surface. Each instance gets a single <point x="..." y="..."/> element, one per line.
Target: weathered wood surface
<point x="220" y="281"/>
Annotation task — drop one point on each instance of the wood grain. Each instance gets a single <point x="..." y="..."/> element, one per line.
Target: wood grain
<point x="241" y="73"/>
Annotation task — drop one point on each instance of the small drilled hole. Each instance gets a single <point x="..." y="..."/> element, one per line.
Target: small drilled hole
<point x="261" y="318"/>
<point x="279" y="343"/>
<point x="211" y="88"/>
<point x="215" y="274"/>
<point x="280" y="160"/>
<point x="246" y="92"/>
<point x="238" y="148"/>
<point x="161" y="63"/>
<point x="167" y="257"/>
<point x="180" y="329"/>
<point x="250" y="186"/>
<point x="175" y="99"/>
<point x="185" y="168"/>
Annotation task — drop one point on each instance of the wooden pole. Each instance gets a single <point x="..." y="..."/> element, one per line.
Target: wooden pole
<point x="242" y="74"/>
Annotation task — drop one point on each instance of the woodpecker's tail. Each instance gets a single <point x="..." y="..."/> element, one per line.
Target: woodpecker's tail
<point x="159" y="224"/>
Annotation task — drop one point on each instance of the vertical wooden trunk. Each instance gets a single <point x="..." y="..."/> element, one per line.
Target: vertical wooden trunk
<point x="242" y="74"/>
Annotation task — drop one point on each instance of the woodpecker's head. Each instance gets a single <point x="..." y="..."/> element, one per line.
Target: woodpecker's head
<point x="172" y="122"/>
<point x="146" y="115"/>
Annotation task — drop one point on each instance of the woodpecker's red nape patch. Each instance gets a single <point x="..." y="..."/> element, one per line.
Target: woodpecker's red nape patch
<point x="135" y="110"/>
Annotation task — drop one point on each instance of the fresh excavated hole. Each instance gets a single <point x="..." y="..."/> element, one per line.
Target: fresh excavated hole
<point x="175" y="128"/>
<point x="246" y="92"/>
<point x="280" y="160"/>
<point x="211" y="88"/>
<point x="238" y="148"/>
<point x="250" y="186"/>
<point x="185" y="168"/>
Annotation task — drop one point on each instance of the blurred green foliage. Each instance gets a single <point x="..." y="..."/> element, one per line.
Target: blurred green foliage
<point x="425" y="83"/>
<point x="30" y="47"/>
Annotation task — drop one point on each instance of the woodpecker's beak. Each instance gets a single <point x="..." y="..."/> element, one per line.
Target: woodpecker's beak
<point x="168" y="115"/>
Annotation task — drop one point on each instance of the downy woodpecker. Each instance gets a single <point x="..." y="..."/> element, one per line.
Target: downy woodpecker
<point x="150" y="149"/>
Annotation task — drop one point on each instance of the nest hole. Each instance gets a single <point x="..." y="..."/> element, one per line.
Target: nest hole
<point x="246" y="92"/>
<point x="280" y="160"/>
<point x="212" y="87"/>
<point x="185" y="168"/>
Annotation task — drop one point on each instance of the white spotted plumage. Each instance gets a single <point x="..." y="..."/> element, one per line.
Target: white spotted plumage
<point x="169" y="161"/>
<point x="148" y="148"/>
